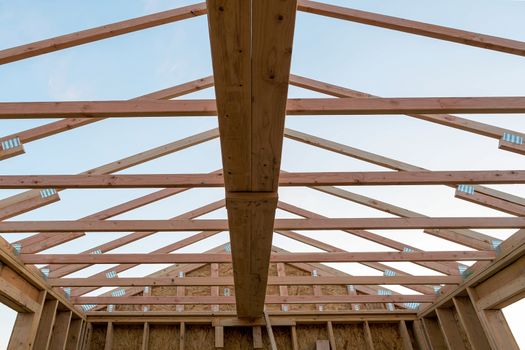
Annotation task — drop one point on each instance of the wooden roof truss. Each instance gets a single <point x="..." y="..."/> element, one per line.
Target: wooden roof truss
<point x="251" y="104"/>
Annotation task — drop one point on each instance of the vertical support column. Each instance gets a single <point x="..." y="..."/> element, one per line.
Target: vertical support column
<point x="74" y="334"/>
<point x="86" y="342"/>
<point x="182" y="336"/>
<point x="270" y="331"/>
<point x="60" y="330"/>
<point x="47" y="321"/>
<point x="181" y="291"/>
<point x="219" y="337"/>
<point x="450" y="329"/>
<point x="145" y="336"/>
<point x="25" y="328"/>
<point x="147" y="292"/>
<point x="368" y="336"/>
<point x="295" y="344"/>
<point x="419" y="334"/>
<point x="331" y="337"/>
<point x="495" y="325"/>
<point x="435" y="337"/>
<point x="317" y="291"/>
<point x="405" y="336"/>
<point x="215" y="289"/>
<point x="257" y="337"/>
<point x="283" y="290"/>
<point x="109" y="337"/>
<point x="470" y="322"/>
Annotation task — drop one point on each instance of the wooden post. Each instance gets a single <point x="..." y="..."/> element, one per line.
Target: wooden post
<point x="496" y="328"/>
<point x="86" y="343"/>
<point x="270" y="331"/>
<point x="215" y="289"/>
<point x="145" y="336"/>
<point x="25" y="328"/>
<point x="295" y="344"/>
<point x="182" y="338"/>
<point x="45" y="327"/>
<point x="109" y="337"/>
<point x="283" y="290"/>
<point x="469" y="320"/>
<point x="60" y="330"/>
<point x="435" y="337"/>
<point x="331" y="337"/>
<point x="405" y="336"/>
<point x="257" y="337"/>
<point x="450" y="330"/>
<point x="368" y="336"/>
<point x="419" y="334"/>
<point x="74" y="334"/>
<point x="219" y="337"/>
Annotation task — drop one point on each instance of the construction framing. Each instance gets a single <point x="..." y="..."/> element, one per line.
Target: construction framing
<point x="250" y="290"/>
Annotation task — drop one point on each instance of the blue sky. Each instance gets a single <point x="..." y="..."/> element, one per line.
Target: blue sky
<point x="373" y="60"/>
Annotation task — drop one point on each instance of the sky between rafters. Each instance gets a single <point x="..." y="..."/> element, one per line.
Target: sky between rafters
<point x="373" y="60"/>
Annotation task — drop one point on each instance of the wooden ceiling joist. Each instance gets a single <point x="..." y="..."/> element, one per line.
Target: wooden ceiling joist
<point x="413" y="27"/>
<point x="196" y="258"/>
<point x="296" y="107"/>
<point x="270" y="299"/>
<point x="280" y="224"/>
<point x="99" y="33"/>
<point x="371" y="178"/>
<point x="228" y="281"/>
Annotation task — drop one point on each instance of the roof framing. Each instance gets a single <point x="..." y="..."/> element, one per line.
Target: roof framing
<point x="251" y="106"/>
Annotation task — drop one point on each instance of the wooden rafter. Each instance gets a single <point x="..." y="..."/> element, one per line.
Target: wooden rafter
<point x="99" y="33"/>
<point x="54" y="128"/>
<point x="442" y="119"/>
<point x="413" y="27"/>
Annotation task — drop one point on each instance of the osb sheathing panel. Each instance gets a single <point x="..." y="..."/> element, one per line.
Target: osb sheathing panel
<point x="349" y="336"/>
<point x="241" y="338"/>
<point x="127" y="337"/>
<point x="335" y="290"/>
<point x="227" y="270"/>
<point x="164" y="337"/>
<point x="282" y="335"/>
<point x="386" y="336"/>
<point x="98" y="337"/>
<point x="130" y="307"/>
<point x="198" y="338"/>
<point x="299" y="290"/>
<point x="307" y="335"/>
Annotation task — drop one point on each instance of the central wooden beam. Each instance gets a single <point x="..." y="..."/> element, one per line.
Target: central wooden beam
<point x="370" y="178"/>
<point x="280" y="224"/>
<point x="251" y="45"/>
